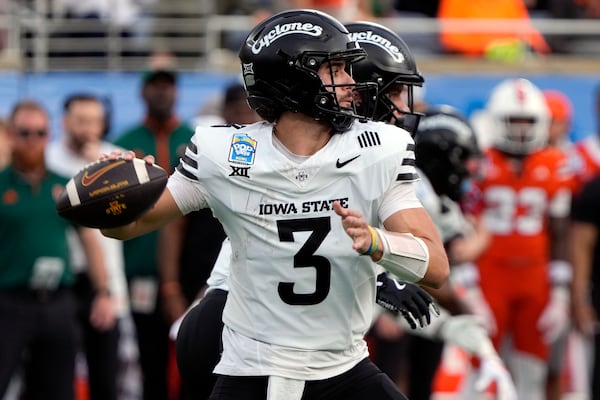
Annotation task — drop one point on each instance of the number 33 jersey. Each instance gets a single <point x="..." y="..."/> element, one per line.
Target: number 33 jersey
<point x="295" y="280"/>
<point x="516" y="205"/>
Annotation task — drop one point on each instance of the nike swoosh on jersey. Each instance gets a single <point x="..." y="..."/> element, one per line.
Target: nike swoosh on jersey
<point x="340" y="164"/>
<point x="87" y="180"/>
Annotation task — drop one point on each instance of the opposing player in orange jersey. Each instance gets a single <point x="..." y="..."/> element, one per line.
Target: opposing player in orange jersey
<point x="526" y="193"/>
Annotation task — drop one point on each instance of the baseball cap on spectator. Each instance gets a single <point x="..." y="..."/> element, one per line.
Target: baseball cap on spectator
<point x="165" y="72"/>
<point x="560" y="106"/>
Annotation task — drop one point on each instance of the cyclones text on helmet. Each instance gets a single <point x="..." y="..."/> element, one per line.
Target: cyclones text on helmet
<point x="280" y="61"/>
<point x="391" y="65"/>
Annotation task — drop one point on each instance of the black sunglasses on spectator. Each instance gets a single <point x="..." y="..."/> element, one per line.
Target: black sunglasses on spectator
<point x="28" y="132"/>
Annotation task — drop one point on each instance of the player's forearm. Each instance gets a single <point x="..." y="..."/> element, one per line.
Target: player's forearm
<point x="412" y="258"/>
<point x="121" y="232"/>
<point x="438" y="268"/>
<point x="164" y="211"/>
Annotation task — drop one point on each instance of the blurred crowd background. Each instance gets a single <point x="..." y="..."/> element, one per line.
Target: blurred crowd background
<point x="50" y="47"/>
<point x="43" y="35"/>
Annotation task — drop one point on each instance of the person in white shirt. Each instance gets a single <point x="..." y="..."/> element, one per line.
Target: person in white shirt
<point x="84" y="123"/>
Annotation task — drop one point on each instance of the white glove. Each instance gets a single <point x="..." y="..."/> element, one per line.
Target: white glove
<point x="468" y="333"/>
<point x="555" y="318"/>
<point x="450" y="220"/>
<point x="481" y="308"/>
<point x="492" y="370"/>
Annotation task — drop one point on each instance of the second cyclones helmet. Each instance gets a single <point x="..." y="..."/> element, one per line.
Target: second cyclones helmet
<point x="444" y="143"/>
<point x="391" y="65"/>
<point x="280" y="60"/>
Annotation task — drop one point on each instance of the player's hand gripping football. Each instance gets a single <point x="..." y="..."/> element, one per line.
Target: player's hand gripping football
<point x="408" y="299"/>
<point x="127" y="155"/>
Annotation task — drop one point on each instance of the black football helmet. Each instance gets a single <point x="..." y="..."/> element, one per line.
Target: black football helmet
<point x="444" y="144"/>
<point x="391" y="65"/>
<point x="280" y="62"/>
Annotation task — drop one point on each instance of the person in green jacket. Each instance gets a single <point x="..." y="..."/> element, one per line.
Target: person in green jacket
<point x="163" y="134"/>
<point x="37" y="307"/>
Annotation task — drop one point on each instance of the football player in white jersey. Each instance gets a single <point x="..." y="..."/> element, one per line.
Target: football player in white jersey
<point x="310" y="200"/>
<point x="198" y="340"/>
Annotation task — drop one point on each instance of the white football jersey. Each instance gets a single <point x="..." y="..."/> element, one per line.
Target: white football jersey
<point x="295" y="280"/>
<point x="220" y="272"/>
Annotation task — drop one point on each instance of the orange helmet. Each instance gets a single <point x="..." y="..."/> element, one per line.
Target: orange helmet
<point x="559" y="105"/>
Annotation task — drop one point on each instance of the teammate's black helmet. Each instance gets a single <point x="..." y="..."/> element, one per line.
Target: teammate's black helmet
<point x="280" y="60"/>
<point x="390" y="64"/>
<point x="444" y="143"/>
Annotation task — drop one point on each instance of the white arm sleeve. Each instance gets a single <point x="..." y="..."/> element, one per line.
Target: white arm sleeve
<point x="402" y="195"/>
<point x="188" y="194"/>
<point x="404" y="255"/>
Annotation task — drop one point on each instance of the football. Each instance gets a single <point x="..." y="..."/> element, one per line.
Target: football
<point x="111" y="193"/>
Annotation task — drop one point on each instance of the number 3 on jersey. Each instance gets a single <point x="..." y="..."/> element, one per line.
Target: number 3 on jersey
<point x="306" y="258"/>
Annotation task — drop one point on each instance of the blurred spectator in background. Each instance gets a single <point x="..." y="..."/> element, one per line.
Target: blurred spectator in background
<point x="162" y="134"/>
<point x="121" y="13"/>
<point x="37" y="307"/>
<point x="585" y="249"/>
<point x="100" y="17"/>
<point x="561" y="115"/>
<point x="585" y="257"/>
<point x="235" y="108"/>
<point x="4" y="144"/>
<point x="228" y="107"/>
<point x="258" y="10"/>
<point x="589" y="148"/>
<point x="511" y="44"/>
<point x="84" y="125"/>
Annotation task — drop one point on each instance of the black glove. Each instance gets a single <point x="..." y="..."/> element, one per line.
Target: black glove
<point x="414" y="303"/>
